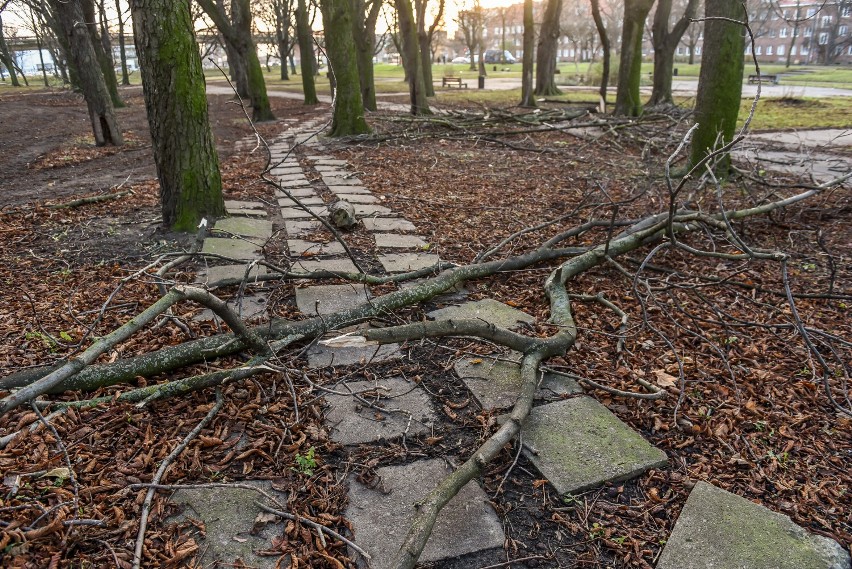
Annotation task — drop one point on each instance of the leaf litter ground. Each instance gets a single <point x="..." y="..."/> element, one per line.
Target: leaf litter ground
<point x="753" y="418"/>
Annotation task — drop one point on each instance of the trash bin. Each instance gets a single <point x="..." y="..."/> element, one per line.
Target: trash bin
<point x="482" y="82"/>
<point x="674" y="72"/>
<point x="495" y="68"/>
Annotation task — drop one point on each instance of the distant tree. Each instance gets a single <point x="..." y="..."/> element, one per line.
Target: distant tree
<point x="694" y="33"/>
<point x="665" y="41"/>
<point x="175" y="98"/>
<point x="237" y="33"/>
<point x="6" y="55"/>
<point x="104" y="59"/>
<point x="605" y="65"/>
<point x="365" y="16"/>
<point x="306" y="51"/>
<point x="627" y="101"/>
<point x="471" y="22"/>
<point x="122" y="49"/>
<point x="796" y="21"/>
<point x="527" y="94"/>
<point x="69" y="14"/>
<point x="425" y="36"/>
<point x="548" y="42"/>
<point x="411" y="50"/>
<point x="348" y="117"/>
<point x="720" y="81"/>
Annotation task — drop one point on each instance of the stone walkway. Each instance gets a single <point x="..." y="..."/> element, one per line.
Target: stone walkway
<point x="574" y="442"/>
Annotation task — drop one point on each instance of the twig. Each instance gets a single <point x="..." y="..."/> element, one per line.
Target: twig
<point x="314" y="525"/>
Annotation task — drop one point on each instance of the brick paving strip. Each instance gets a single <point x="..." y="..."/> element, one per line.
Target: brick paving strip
<point x="574" y="442"/>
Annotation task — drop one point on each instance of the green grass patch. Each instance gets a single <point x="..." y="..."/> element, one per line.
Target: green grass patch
<point x="799" y="113"/>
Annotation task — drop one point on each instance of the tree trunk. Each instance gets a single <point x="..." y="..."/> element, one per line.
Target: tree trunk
<point x="665" y="42"/>
<point x="125" y="76"/>
<point x="306" y="50"/>
<point x="88" y="71"/>
<point x="794" y="35"/>
<point x="627" y="101"/>
<point x="602" y="33"/>
<point x="175" y="98"/>
<point x="527" y="95"/>
<point x="348" y="118"/>
<point x="548" y="40"/>
<point x="6" y="57"/>
<point x="237" y="70"/>
<point x="408" y="36"/>
<point x="424" y="41"/>
<point x="364" y="20"/>
<point x="104" y="60"/>
<point x="720" y="82"/>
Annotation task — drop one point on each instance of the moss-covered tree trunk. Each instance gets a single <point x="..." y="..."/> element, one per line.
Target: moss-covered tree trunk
<point x="424" y="40"/>
<point x="627" y="100"/>
<point x="411" y="49"/>
<point x="527" y="94"/>
<point x="720" y="83"/>
<point x="548" y="41"/>
<point x="175" y="98"/>
<point x="306" y="49"/>
<point x="605" y="47"/>
<point x="70" y="17"/>
<point x="365" y="14"/>
<point x="665" y="42"/>
<point x="348" y="118"/>
<point x="104" y="59"/>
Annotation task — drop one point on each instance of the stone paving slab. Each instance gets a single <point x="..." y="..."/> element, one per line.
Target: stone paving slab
<point x="487" y="309"/>
<point x="301" y="248"/>
<point x="329" y="299"/>
<point x="579" y="444"/>
<point x="294" y="177"/>
<point x="331" y="168"/>
<point x="301" y="183"/>
<point x="301" y="192"/>
<point x="299" y="213"/>
<point x="214" y="276"/>
<point x="349" y="190"/>
<point x="229" y="516"/>
<point x="297" y="227"/>
<point x="258" y="228"/>
<point x="381" y="516"/>
<point x="329" y="162"/>
<point x="371" y="210"/>
<point x="364" y="198"/>
<point x="248" y="209"/>
<point x="496" y="383"/>
<point x="405" y="262"/>
<point x="249" y="307"/>
<point x="387" y="224"/>
<point x="409" y="411"/>
<point x="720" y="529"/>
<point x="231" y="248"/>
<point x="320" y="356"/>
<point x="293" y="170"/>
<point x="335" y="181"/>
<point x="396" y="241"/>
<point x="311" y="199"/>
<point x="311" y="264"/>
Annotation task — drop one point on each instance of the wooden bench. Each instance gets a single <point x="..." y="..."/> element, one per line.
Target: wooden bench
<point x="453" y="81"/>
<point x="755" y="78"/>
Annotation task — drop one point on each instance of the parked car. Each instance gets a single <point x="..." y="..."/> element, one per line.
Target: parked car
<point x="493" y="56"/>
<point x="461" y="59"/>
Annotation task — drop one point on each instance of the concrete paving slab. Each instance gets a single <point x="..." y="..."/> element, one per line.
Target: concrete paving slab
<point x="827" y="137"/>
<point x="387" y="224"/>
<point x="328" y="299"/>
<point x="299" y="213"/>
<point x="215" y="276"/>
<point x="487" y="309"/>
<point x="312" y="264"/>
<point x="300" y="192"/>
<point x="241" y="204"/>
<point x="311" y="199"/>
<point x="720" y="529"/>
<point x="371" y="210"/>
<point x="340" y="181"/>
<point x="407" y="410"/>
<point x="301" y="248"/>
<point x="229" y="516"/>
<point x="495" y="383"/>
<point x="338" y="190"/>
<point x="282" y="171"/>
<point x="320" y="356"/>
<point x="405" y="262"/>
<point x="289" y="184"/>
<point x="329" y="162"/>
<point x="335" y="171"/>
<point x="251" y="307"/>
<point x="359" y="198"/>
<point x="294" y="177"/>
<point x="257" y="228"/>
<point x="397" y="241"/>
<point x="579" y="444"/>
<point x="231" y="248"/>
<point x="297" y="227"/>
<point x="381" y="516"/>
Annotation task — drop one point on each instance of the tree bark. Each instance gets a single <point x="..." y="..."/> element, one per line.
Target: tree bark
<point x="365" y="15"/>
<point x="665" y="43"/>
<point x="104" y="60"/>
<point x="408" y="36"/>
<point x="306" y="49"/>
<point x="348" y="118"/>
<point x="605" y="65"/>
<point x="548" y="40"/>
<point x="80" y="50"/>
<point x="720" y="82"/>
<point x="627" y="101"/>
<point x="122" y="50"/>
<point x="175" y="98"/>
<point x="527" y="94"/>
<point x="424" y="40"/>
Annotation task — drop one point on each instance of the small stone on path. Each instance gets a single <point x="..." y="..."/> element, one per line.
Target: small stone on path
<point x="487" y="309"/>
<point x="405" y="262"/>
<point x="578" y="444"/>
<point x="396" y="241"/>
<point x="381" y="516"/>
<point x="353" y="423"/>
<point x="496" y="383"/>
<point x="720" y="529"/>
<point x="231" y="248"/>
<point x="329" y="299"/>
<point x="387" y="224"/>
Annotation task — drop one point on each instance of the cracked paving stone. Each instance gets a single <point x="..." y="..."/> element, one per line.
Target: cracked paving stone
<point x="301" y="248"/>
<point x="320" y="356"/>
<point x="231" y="248"/>
<point x="353" y="423"/>
<point x="387" y="224"/>
<point x="487" y="309"/>
<point x="405" y="262"/>
<point x="329" y="299"/>
<point x="312" y="264"/>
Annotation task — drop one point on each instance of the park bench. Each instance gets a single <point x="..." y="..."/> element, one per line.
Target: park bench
<point x="453" y="81"/>
<point x="755" y="78"/>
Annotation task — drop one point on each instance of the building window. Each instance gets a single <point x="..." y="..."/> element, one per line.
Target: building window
<point x="748" y="49"/>
<point x="838" y="50"/>
<point x="758" y="50"/>
<point x="793" y="50"/>
<point x="826" y="21"/>
<point x="698" y="50"/>
<point x="849" y="51"/>
<point x="843" y="30"/>
<point x="823" y="38"/>
<point x="847" y="11"/>
<point x="804" y="50"/>
<point x="772" y="33"/>
<point x="783" y="33"/>
<point x="809" y="32"/>
<point x="780" y="50"/>
<point x="769" y="50"/>
<point x="679" y="51"/>
<point x="811" y="12"/>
